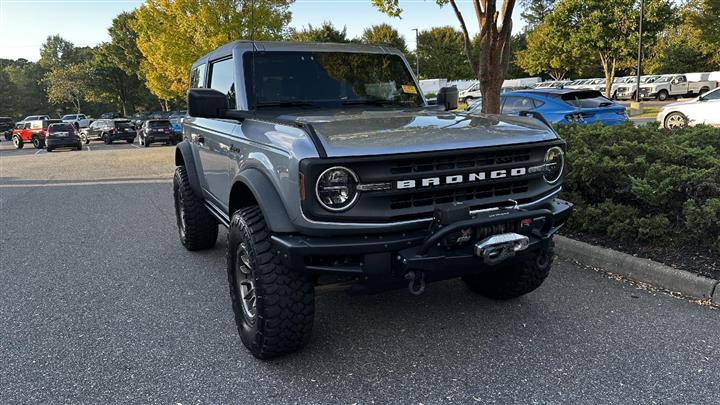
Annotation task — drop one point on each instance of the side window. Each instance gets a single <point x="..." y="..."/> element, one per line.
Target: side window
<point x="681" y="79"/>
<point x="537" y="103"/>
<point x="197" y="76"/>
<point x="715" y="95"/>
<point x="27" y="125"/>
<point x="222" y="78"/>
<point x="514" y="104"/>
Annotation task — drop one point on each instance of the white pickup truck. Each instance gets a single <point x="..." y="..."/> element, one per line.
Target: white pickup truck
<point x="78" y="120"/>
<point x="675" y="86"/>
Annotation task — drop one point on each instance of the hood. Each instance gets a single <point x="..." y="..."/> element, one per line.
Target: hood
<point x="392" y="131"/>
<point x="680" y="104"/>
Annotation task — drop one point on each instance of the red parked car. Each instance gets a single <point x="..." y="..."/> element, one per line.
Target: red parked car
<point x="31" y="131"/>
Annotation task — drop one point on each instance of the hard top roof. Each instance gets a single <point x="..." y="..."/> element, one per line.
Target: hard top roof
<point x="279" y="46"/>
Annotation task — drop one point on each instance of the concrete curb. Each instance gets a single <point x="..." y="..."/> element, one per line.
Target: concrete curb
<point x="638" y="269"/>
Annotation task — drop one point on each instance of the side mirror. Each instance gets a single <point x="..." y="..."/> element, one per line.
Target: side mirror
<point x="206" y="103"/>
<point x="448" y="98"/>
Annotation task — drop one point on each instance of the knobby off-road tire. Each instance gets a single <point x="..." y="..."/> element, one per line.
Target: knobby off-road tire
<point x="198" y="229"/>
<point x="274" y="305"/>
<point x="513" y="280"/>
<point x="37" y="142"/>
<point x="107" y="139"/>
<point x="18" y="142"/>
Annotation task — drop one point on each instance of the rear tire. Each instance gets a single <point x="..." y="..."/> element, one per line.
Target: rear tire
<point x="274" y="305"/>
<point x="49" y="149"/>
<point x="514" y="280"/>
<point x="146" y="143"/>
<point x="84" y="139"/>
<point x="107" y="139"/>
<point x="18" y="142"/>
<point x="198" y="229"/>
<point x="37" y="142"/>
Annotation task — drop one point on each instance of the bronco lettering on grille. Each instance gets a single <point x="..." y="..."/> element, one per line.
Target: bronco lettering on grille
<point x="460" y="178"/>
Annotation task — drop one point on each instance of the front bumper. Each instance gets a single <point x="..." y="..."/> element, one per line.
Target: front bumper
<point x="394" y="254"/>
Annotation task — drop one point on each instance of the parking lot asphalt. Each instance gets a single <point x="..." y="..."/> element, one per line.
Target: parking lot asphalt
<point x="100" y="303"/>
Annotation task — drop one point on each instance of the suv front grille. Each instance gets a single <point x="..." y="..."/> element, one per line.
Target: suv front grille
<point x="419" y="201"/>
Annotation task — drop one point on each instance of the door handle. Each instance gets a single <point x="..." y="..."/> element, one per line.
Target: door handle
<point x="197" y="138"/>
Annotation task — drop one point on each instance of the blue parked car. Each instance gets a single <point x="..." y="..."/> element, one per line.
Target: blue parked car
<point x="561" y="106"/>
<point x="177" y="124"/>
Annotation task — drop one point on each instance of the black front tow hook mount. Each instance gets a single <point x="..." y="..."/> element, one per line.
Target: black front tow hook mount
<point x="416" y="284"/>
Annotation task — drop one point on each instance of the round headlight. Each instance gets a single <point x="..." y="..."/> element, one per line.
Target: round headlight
<point x="554" y="164"/>
<point x="336" y="188"/>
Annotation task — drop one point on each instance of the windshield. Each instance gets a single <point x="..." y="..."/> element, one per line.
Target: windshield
<point x="664" y="79"/>
<point x="329" y="79"/>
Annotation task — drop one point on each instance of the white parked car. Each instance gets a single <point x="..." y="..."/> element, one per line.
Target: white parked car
<point x="704" y="109"/>
<point x="470" y="94"/>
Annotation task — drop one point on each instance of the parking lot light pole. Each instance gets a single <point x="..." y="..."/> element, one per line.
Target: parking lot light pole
<point x="640" y="44"/>
<point x="417" y="53"/>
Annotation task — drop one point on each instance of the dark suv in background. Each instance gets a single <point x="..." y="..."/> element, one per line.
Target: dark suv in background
<point x="62" y="135"/>
<point x="109" y="130"/>
<point x="6" y="127"/>
<point x="157" y="131"/>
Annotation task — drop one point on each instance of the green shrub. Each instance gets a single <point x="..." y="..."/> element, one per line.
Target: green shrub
<point x="644" y="183"/>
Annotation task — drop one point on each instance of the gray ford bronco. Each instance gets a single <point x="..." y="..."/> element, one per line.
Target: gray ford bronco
<point x="328" y="166"/>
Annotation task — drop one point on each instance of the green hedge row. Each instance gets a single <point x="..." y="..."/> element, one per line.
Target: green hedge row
<point x="645" y="184"/>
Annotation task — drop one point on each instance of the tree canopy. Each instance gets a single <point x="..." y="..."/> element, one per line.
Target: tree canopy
<point x="171" y="35"/>
<point x="326" y="32"/>
<point x="384" y="34"/>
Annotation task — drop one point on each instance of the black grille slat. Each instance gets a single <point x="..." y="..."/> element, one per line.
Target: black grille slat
<point x="473" y="192"/>
<point x="458" y="162"/>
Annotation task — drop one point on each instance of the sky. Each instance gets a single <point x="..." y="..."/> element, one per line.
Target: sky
<point x="25" y="24"/>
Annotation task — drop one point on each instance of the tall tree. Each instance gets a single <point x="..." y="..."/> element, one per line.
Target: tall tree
<point x="27" y="93"/>
<point x="69" y="84"/>
<point x="56" y="51"/>
<point x="518" y="42"/>
<point x="535" y="11"/>
<point x="326" y="32"/>
<point x="384" y="34"/>
<point x="492" y="57"/>
<point x="609" y="28"/>
<point x="441" y="52"/>
<point x="126" y="56"/>
<point x="547" y="52"/>
<point x="171" y="35"/>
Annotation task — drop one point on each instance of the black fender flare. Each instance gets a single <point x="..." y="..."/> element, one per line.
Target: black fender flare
<point x="184" y="157"/>
<point x="268" y="200"/>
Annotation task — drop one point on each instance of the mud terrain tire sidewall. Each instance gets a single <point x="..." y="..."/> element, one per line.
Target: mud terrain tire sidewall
<point x="516" y="279"/>
<point x="197" y="228"/>
<point x="285" y="298"/>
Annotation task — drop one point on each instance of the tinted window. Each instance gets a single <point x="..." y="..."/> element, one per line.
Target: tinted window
<point x="159" y="124"/>
<point x="586" y="99"/>
<point x="222" y="78"/>
<point x="123" y="124"/>
<point x="715" y="95"/>
<point x="61" y="128"/>
<point x="329" y="78"/>
<point x="514" y="104"/>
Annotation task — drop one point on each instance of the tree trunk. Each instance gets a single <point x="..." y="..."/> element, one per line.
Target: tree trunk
<point x="494" y="49"/>
<point x="608" y="64"/>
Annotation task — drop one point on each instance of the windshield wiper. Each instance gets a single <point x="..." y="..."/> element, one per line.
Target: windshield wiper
<point x="289" y="103"/>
